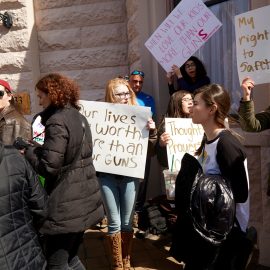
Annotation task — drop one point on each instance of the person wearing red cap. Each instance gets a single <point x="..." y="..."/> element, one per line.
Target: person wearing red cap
<point x="12" y="123"/>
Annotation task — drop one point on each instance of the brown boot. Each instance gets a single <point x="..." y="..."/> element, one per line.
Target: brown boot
<point x="114" y="243"/>
<point x="127" y="238"/>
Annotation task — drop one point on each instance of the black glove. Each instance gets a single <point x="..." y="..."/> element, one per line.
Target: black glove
<point x="21" y="143"/>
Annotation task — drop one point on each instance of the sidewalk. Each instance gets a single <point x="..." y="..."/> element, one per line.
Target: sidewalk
<point x="150" y="253"/>
<point x="147" y="254"/>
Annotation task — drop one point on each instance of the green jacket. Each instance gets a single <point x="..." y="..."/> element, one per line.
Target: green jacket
<point x="250" y="121"/>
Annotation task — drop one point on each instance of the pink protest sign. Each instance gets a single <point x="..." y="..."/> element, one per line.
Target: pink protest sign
<point x="182" y="33"/>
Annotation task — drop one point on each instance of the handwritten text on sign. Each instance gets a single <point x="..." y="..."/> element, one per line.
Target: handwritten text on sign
<point x="182" y="33"/>
<point x="119" y="135"/>
<point x="252" y="44"/>
<point x="186" y="137"/>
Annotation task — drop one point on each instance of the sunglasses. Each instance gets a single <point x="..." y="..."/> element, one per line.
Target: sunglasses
<point x="137" y="72"/>
<point x="2" y="93"/>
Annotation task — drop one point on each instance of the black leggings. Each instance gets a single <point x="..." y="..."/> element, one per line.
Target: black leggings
<point x="61" y="251"/>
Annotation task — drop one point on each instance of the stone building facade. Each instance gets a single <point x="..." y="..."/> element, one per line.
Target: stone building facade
<point x="95" y="40"/>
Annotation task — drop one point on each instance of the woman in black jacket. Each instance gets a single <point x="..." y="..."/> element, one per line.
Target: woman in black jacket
<point x="190" y="76"/>
<point x="65" y="160"/>
<point x="23" y="208"/>
<point x="220" y="153"/>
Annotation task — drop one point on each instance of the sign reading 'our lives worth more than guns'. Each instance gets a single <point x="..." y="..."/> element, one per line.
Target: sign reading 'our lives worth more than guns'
<point x="182" y="33"/>
<point x="186" y="137"/>
<point x="252" y="44"/>
<point x="119" y="135"/>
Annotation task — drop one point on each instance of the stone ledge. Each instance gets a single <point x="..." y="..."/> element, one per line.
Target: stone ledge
<point x="6" y="5"/>
<point x="255" y="138"/>
<point x="15" y="62"/>
<point x="110" y="56"/>
<point x="85" y="37"/>
<point x="50" y="4"/>
<point x="80" y="16"/>
<point x="15" y="41"/>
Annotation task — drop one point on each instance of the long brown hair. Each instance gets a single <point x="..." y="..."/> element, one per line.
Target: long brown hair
<point x="175" y="109"/>
<point x="112" y="84"/>
<point x="215" y="94"/>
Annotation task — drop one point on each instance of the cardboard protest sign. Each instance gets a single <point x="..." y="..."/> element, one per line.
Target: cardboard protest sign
<point x="252" y="44"/>
<point x="182" y="33"/>
<point x="119" y="135"/>
<point x="186" y="137"/>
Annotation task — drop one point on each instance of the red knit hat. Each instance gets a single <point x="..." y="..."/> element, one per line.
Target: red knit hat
<point x="6" y="85"/>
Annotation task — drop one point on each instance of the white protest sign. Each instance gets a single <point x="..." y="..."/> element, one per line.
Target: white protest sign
<point x="182" y="33"/>
<point x="119" y="135"/>
<point x="252" y="44"/>
<point x="186" y="137"/>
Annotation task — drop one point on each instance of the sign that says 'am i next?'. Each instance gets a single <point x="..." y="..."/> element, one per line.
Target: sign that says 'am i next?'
<point x="119" y="136"/>
<point x="252" y="45"/>
<point x="182" y="33"/>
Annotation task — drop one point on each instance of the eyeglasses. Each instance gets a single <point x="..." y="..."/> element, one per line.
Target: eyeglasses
<point x="123" y="95"/>
<point x="187" y="99"/>
<point x="190" y="65"/>
<point x="137" y="72"/>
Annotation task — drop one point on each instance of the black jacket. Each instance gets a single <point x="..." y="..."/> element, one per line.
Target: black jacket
<point x="22" y="200"/>
<point x="187" y="245"/>
<point x="75" y="201"/>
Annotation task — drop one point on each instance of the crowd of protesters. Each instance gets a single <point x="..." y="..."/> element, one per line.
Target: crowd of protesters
<point x="50" y="218"/>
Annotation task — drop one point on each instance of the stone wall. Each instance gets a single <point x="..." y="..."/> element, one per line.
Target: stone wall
<point x="134" y="37"/>
<point x="18" y="54"/>
<point x="257" y="146"/>
<point x="84" y="39"/>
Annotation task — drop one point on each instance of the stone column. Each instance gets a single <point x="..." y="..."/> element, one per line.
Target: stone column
<point x="257" y="146"/>
<point x="19" y="57"/>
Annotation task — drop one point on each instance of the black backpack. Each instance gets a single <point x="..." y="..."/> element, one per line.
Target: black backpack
<point x="212" y="207"/>
<point x="151" y="219"/>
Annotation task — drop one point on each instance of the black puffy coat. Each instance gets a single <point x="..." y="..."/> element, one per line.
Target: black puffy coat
<point x="75" y="201"/>
<point x="22" y="200"/>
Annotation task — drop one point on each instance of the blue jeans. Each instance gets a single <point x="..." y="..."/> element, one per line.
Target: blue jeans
<point x="119" y="195"/>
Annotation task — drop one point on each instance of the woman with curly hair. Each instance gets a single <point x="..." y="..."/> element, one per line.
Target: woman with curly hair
<point x="65" y="160"/>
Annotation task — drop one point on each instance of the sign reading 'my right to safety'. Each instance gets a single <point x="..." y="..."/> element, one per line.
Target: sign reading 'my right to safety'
<point x="252" y="44"/>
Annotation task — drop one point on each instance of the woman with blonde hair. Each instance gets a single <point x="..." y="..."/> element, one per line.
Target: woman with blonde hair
<point x="119" y="192"/>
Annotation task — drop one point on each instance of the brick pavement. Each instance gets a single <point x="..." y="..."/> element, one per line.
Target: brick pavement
<point x="150" y="253"/>
<point x="147" y="254"/>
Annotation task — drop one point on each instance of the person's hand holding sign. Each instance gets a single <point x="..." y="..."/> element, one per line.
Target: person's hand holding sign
<point x="247" y="86"/>
<point x="176" y="71"/>
<point x="151" y="125"/>
<point x="164" y="139"/>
